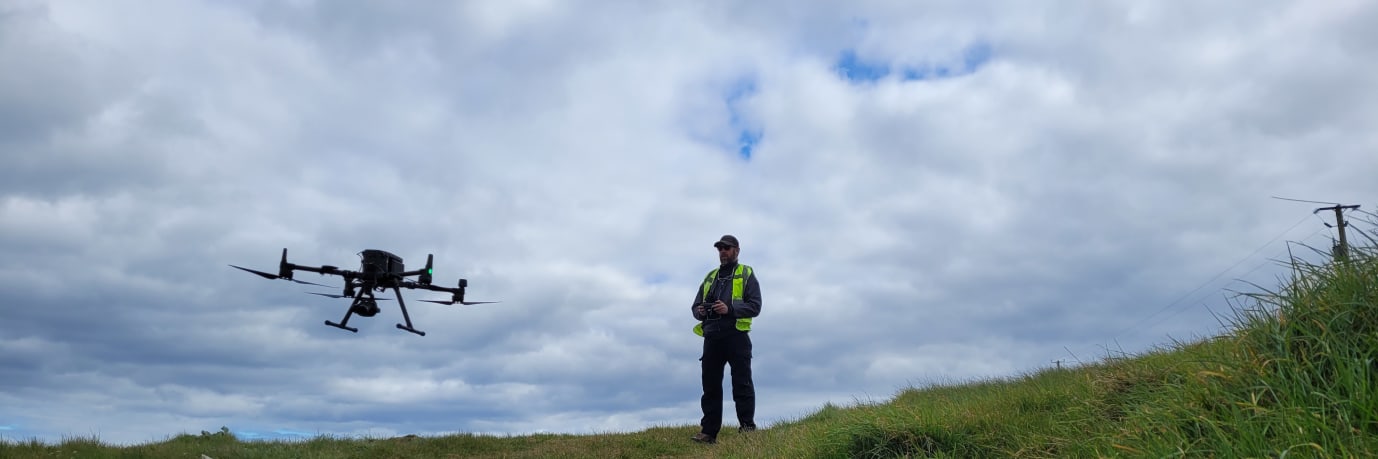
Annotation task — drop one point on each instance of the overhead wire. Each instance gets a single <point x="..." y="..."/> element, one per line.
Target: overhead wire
<point x="1199" y="298"/>
<point x="1213" y="278"/>
<point x="1275" y="259"/>
<point x="1365" y="212"/>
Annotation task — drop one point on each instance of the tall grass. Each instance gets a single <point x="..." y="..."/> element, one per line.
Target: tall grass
<point x="1296" y="377"/>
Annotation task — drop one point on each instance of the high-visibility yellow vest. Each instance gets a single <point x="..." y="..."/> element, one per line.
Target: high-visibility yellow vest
<point x="738" y="288"/>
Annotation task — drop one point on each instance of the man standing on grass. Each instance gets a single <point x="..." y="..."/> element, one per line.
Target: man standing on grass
<point x="724" y="306"/>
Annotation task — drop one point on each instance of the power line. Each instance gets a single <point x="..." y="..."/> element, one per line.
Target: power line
<point x="1303" y="241"/>
<point x="1275" y="258"/>
<point x="1341" y="250"/>
<point x="1199" y="298"/>
<point x="1303" y="200"/>
<point x="1212" y="279"/>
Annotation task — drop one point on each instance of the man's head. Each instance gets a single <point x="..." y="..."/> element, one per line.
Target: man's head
<point x="728" y="249"/>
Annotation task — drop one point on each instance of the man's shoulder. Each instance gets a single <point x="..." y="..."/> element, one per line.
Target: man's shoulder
<point x="746" y="270"/>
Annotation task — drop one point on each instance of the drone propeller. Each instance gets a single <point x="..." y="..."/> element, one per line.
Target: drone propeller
<point x="275" y="276"/>
<point x="459" y="302"/>
<point x="345" y="296"/>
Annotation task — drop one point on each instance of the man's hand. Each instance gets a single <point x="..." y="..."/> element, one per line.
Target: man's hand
<point x="720" y="308"/>
<point x="700" y="309"/>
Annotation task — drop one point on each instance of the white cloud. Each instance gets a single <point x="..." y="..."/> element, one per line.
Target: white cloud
<point x="1063" y="195"/>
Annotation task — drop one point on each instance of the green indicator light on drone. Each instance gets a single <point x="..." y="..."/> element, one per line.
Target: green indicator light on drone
<point x="430" y="271"/>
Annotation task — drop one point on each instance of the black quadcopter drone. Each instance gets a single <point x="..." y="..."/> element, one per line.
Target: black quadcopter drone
<point x="378" y="271"/>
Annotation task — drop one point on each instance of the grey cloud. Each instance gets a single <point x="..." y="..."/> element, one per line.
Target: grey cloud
<point x="1051" y="205"/>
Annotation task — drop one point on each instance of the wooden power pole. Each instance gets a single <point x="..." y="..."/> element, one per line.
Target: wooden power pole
<point x="1341" y="251"/>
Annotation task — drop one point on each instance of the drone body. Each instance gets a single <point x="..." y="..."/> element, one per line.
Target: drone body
<point x="379" y="271"/>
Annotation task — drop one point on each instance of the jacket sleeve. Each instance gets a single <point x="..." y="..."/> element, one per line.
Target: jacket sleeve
<point x="751" y="299"/>
<point x="698" y="298"/>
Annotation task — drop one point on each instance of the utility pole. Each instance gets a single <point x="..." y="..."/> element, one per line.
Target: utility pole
<point x="1341" y="250"/>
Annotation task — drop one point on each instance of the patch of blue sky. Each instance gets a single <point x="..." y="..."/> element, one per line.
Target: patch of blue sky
<point x="292" y="433"/>
<point x="860" y="71"/>
<point x="246" y="435"/>
<point x="975" y="56"/>
<point x="746" y="143"/>
<point x="7" y="427"/>
<point x="856" y="70"/>
<point x="748" y="135"/>
<point x="279" y="434"/>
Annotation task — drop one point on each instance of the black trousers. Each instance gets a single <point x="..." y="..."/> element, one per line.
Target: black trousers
<point x="731" y="349"/>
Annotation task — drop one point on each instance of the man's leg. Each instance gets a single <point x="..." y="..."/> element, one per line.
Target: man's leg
<point x="714" y="357"/>
<point x="743" y="390"/>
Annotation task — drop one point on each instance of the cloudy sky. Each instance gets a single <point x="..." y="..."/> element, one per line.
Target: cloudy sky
<point x="930" y="192"/>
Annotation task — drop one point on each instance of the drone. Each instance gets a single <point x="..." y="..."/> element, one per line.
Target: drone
<point x="378" y="271"/>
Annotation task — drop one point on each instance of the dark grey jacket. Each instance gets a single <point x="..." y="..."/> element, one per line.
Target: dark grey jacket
<point x="748" y="306"/>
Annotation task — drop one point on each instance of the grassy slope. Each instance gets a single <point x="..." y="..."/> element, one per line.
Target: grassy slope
<point x="1297" y="379"/>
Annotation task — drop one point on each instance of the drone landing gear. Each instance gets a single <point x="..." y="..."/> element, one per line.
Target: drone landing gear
<point x="364" y="304"/>
<point x="348" y="313"/>
<point x="405" y="316"/>
<point x="341" y="325"/>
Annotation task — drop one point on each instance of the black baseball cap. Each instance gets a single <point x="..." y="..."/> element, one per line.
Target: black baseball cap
<point x="728" y="240"/>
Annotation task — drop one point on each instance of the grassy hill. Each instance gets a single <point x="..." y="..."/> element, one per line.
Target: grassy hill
<point x="1298" y="377"/>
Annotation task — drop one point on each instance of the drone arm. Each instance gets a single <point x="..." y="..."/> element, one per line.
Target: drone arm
<point x="456" y="293"/>
<point x="327" y="269"/>
<point x="424" y="273"/>
<point x="285" y="269"/>
<point x="433" y="288"/>
<point x="407" y="317"/>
